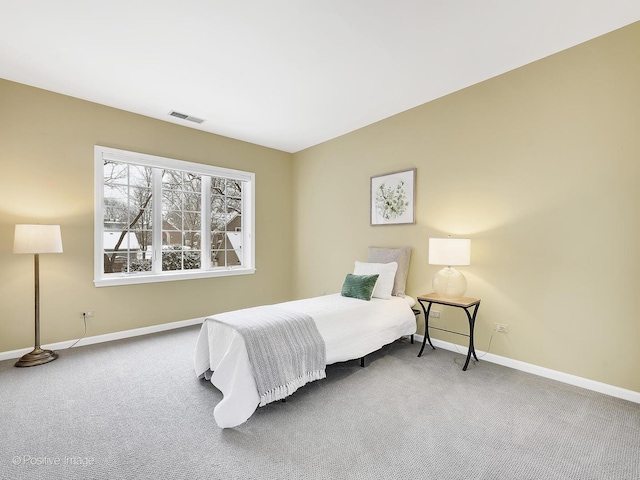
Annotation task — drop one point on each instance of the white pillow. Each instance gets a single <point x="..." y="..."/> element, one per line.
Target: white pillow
<point x="386" y="276"/>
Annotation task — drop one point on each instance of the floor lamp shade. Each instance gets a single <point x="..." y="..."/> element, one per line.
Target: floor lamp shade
<point x="449" y="252"/>
<point x="37" y="239"/>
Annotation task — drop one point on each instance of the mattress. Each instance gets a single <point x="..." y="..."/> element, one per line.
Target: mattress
<point x="351" y="328"/>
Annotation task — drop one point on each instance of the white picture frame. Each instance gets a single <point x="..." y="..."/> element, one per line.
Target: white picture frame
<point x="392" y="198"/>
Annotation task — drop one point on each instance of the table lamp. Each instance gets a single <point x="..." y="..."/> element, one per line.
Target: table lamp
<point x="450" y="252"/>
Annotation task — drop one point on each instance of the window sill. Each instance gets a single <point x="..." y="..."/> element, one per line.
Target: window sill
<point x="134" y="279"/>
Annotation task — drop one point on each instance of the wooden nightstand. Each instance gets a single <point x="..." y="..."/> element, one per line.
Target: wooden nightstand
<point x="463" y="302"/>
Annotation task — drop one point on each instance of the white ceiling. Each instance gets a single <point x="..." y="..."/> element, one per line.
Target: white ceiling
<point x="287" y="74"/>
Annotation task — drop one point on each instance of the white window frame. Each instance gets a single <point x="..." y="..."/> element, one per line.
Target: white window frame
<point x="102" y="279"/>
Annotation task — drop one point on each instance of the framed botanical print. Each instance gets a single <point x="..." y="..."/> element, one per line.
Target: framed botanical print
<point x="393" y="198"/>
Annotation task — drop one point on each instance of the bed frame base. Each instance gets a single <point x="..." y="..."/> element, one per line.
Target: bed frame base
<point x="364" y="362"/>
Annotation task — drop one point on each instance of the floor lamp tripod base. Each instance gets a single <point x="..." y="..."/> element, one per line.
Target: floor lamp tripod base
<point x="37" y="356"/>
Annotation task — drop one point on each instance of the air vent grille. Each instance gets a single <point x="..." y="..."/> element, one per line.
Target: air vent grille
<point x="184" y="116"/>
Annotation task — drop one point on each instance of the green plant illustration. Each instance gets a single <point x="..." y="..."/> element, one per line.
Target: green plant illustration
<point x="391" y="202"/>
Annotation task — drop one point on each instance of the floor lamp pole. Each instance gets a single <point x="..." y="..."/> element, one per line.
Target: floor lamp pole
<point x="36" y="277"/>
<point x="37" y="356"/>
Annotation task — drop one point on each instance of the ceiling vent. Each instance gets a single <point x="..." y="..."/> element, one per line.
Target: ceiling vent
<point x="183" y="116"/>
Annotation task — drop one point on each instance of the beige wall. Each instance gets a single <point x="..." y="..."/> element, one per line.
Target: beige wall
<point x="46" y="154"/>
<point x="539" y="167"/>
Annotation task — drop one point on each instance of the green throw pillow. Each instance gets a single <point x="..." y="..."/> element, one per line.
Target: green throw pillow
<point x="359" y="286"/>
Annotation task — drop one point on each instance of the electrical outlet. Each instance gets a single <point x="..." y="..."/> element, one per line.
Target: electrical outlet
<point x="434" y="314"/>
<point x="87" y="314"/>
<point x="501" y="328"/>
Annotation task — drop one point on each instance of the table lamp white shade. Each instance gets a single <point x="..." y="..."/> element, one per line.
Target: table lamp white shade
<point x="450" y="252"/>
<point x="37" y="239"/>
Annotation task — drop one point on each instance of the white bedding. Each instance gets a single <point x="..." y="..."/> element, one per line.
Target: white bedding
<point x="351" y="329"/>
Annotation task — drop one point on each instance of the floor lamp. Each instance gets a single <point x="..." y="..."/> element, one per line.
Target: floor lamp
<point x="37" y="239"/>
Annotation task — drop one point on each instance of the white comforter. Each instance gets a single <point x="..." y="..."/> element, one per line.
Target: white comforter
<point x="351" y="329"/>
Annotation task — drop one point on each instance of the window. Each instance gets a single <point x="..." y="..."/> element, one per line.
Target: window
<point x="159" y="219"/>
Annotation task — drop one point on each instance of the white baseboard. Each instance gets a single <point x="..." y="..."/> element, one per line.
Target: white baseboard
<point x="106" y="337"/>
<point x="593" y="385"/>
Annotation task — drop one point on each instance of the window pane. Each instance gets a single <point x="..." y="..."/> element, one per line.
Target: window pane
<point x="143" y="220"/>
<point x="172" y="220"/>
<point x="217" y="209"/>
<point x="171" y="237"/>
<point x="141" y="196"/>
<point x="191" y="260"/>
<point x="115" y="193"/>
<point x="218" y="258"/>
<point x="115" y="173"/>
<point x="142" y="263"/>
<point x="234" y="189"/>
<point x="141" y="211"/>
<point x="140" y="176"/>
<point x="234" y="242"/>
<point x="191" y="221"/>
<point x="171" y="260"/>
<point x="217" y="239"/>
<point x="237" y="224"/>
<point x="234" y="206"/>
<point x="144" y="238"/>
<point x="218" y="186"/>
<point x="191" y="202"/>
<point x="116" y="209"/>
<point x="191" y="182"/>
<point x="171" y="180"/>
<point x="191" y="240"/>
<point x="120" y="262"/>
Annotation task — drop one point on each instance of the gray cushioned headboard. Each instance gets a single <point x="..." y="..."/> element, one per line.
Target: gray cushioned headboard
<point x="400" y="255"/>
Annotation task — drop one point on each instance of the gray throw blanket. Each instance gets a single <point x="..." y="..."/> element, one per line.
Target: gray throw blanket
<point x="285" y="348"/>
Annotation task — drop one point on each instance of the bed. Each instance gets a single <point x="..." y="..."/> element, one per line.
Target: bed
<point x="350" y="327"/>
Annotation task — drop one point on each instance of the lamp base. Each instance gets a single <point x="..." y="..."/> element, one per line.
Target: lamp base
<point x="449" y="283"/>
<point x="37" y="356"/>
